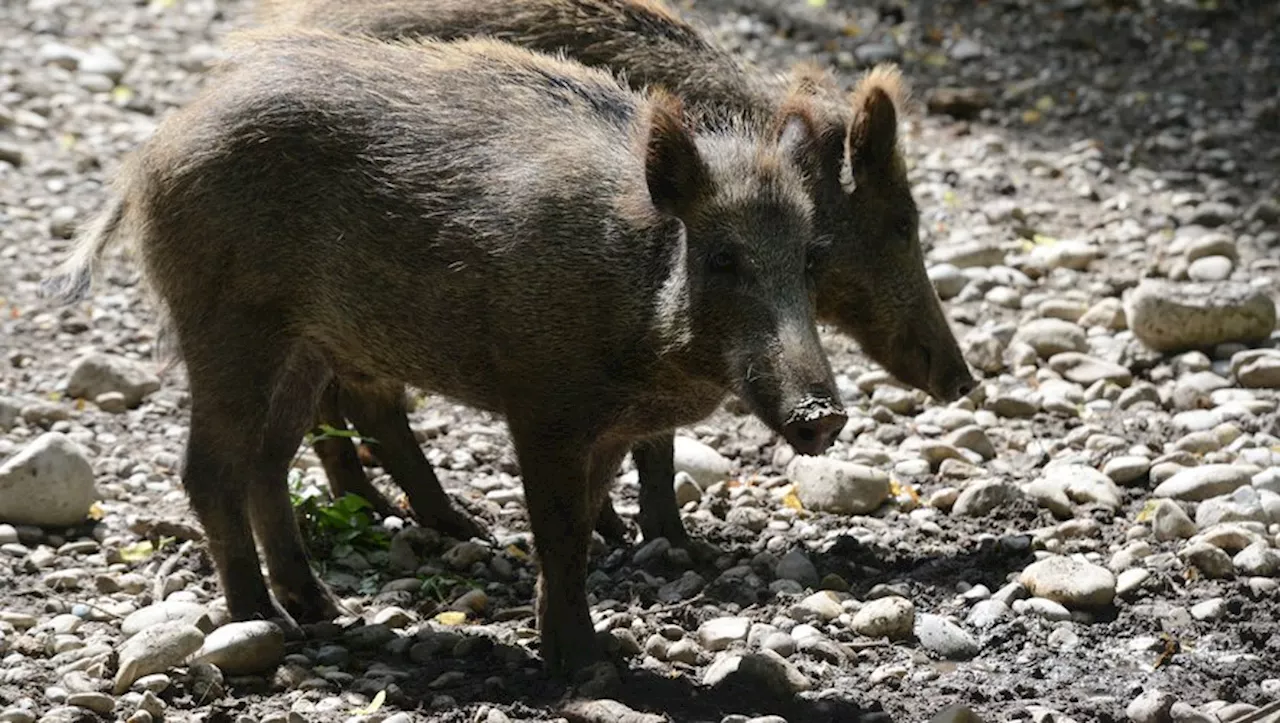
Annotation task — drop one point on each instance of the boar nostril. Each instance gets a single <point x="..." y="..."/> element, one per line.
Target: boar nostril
<point x="966" y="387"/>
<point x="813" y="436"/>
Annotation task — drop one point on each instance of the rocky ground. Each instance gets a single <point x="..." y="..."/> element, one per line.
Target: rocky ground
<point x="1093" y="536"/>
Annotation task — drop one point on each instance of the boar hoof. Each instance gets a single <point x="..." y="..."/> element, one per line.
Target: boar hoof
<point x="314" y="607"/>
<point x="611" y="527"/>
<point x="701" y="550"/>
<point x="597" y="680"/>
<point x="666" y="524"/>
<point x="454" y="523"/>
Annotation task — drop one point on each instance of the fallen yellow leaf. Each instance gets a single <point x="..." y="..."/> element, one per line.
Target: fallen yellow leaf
<point x="792" y="501"/>
<point x="1196" y="45"/>
<point x="451" y="617"/>
<point x="897" y="489"/>
<point x="1045" y="103"/>
<point x="517" y="553"/>
<point x="96" y="512"/>
<point x="137" y="552"/>
<point x="1147" y="511"/>
<point x="1031" y="116"/>
<point x="373" y="706"/>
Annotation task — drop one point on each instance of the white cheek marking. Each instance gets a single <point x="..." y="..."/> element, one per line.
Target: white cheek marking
<point x="672" y="305"/>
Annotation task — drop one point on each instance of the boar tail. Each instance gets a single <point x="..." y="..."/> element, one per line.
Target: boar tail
<point x="71" y="279"/>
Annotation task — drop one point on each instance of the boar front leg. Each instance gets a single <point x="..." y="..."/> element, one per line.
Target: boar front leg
<point x="379" y="410"/>
<point x="338" y="456"/>
<point x="659" y="513"/>
<point x="564" y="479"/>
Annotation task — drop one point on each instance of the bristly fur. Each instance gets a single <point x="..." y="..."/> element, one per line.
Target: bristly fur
<point x="335" y="212"/>
<point x="887" y="78"/>
<point x="644" y="40"/>
<point x="872" y="228"/>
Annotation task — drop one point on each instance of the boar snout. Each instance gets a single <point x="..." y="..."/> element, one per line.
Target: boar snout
<point x="793" y="390"/>
<point x="814" y="424"/>
<point x="950" y="379"/>
<point x="942" y="373"/>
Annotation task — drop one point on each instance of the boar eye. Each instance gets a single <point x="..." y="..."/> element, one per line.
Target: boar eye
<point x="722" y="261"/>
<point x="814" y="258"/>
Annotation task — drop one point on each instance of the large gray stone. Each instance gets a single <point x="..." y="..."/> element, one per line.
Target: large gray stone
<point x="890" y="617"/>
<point x="1170" y="316"/>
<point x="241" y="648"/>
<point x="49" y="483"/>
<point x="944" y="638"/>
<point x="705" y="465"/>
<point x="1203" y="482"/>
<point x="830" y="485"/>
<point x="1070" y="581"/>
<point x="97" y="374"/>
<point x="155" y="650"/>
<point x="1051" y="336"/>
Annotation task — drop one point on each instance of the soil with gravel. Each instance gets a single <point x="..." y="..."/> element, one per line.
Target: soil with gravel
<point x="1094" y="535"/>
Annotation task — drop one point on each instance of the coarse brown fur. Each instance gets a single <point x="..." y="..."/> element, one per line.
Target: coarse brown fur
<point x="643" y="40"/>
<point x="872" y="283"/>
<point x="515" y="231"/>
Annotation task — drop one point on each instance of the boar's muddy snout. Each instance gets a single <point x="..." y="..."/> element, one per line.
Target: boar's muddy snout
<point x="813" y="426"/>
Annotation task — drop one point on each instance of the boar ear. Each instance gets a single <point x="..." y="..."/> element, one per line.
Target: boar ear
<point x="810" y="140"/>
<point x="796" y="135"/>
<point x="677" y="176"/>
<point x="871" y="145"/>
<point x="805" y="129"/>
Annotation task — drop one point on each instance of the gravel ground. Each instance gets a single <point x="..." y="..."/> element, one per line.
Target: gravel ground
<point x="1093" y="536"/>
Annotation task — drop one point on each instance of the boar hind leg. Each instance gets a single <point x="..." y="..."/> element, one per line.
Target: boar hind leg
<point x="297" y="377"/>
<point x="215" y="484"/>
<point x="342" y="465"/>
<point x="380" y="412"/>
<point x="250" y="405"/>
<point x="659" y="514"/>
<point x="563" y="482"/>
